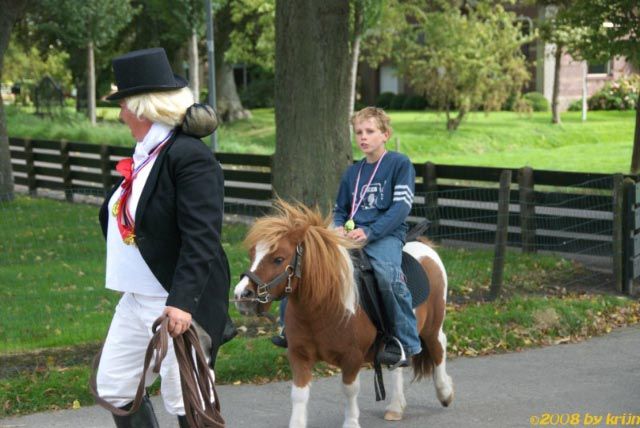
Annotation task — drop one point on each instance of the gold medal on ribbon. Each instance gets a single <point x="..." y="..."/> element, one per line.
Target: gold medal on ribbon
<point x="116" y="208"/>
<point x="349" y="225"/>
<point x="130" y="239"/>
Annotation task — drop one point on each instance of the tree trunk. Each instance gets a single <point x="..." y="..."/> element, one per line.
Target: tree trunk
<point x="355" y="53"/>
<point x="228" y="102"/>
<point x="311" y="102"/>
<point x="555" y="107"/>
<point x="453" y="124"/>
<point x="194" y="69"/>
<point x="6" y="171"/>
<point x="635" y="157"/>
<point x="91" y="84"/>
<point x="11" y="11"/>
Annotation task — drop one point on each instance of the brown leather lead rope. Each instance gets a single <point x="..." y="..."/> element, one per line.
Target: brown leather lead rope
<point x="195" y="378"/>
<point x="197" y="383"/>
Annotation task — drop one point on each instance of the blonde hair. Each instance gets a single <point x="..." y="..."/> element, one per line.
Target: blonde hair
<point x="167" y="107"/>
<point x="381" y="118"/>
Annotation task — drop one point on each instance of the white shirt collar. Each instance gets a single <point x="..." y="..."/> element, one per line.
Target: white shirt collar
<point x="157" y="133"/>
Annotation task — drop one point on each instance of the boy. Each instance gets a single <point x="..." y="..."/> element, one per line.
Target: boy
<point x="374" y="199"/>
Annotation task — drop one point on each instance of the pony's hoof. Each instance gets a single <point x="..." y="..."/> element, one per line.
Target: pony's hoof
<point x="351" y="424"/>
<point x="391" y="415"/>
<point x="445" y="402"/>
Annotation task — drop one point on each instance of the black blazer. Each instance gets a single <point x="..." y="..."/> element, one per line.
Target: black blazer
<point x="178" y="226"/>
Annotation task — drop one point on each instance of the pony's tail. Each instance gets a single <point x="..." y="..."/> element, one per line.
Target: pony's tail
<point x="422" y="363"/>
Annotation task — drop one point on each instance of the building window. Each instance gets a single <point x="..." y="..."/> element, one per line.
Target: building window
<point x="602" y="68"/>
<point x="389" y="81"/>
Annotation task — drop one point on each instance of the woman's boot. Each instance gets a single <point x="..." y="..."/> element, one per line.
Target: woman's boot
<point x="144" y="417"/>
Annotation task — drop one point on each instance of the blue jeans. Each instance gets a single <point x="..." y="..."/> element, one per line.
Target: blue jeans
<point x="385" y="255"/>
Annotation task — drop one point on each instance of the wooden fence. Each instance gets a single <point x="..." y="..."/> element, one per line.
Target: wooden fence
<point x="89" y="169"/>
<point x="572" y="212"/>
<point x="564" y="212"/>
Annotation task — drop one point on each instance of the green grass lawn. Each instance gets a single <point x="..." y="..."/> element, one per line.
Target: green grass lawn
<point x="52" y="294"/>
<point x="500" y="139"/>
<point x="55" y="252"/>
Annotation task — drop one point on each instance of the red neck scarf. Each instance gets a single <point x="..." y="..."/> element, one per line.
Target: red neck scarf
<point x="126" y="223"/>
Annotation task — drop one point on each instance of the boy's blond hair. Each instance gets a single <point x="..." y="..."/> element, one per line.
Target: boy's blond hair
<point x="167" y="107"/>
<point x="381" y="118"/>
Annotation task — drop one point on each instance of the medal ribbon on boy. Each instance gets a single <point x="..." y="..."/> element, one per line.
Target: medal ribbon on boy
<point x="126" y="223"/>
<point x="350" y="224"/>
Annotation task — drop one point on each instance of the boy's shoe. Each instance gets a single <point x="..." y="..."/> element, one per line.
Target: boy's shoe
<point x="280" y="340"/>
<point x="392" y="354"/>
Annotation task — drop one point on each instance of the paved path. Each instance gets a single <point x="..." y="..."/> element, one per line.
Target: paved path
<point x="598" y="377"/>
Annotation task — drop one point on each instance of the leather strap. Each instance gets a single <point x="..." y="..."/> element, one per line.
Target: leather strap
<point x="195" y="378"/>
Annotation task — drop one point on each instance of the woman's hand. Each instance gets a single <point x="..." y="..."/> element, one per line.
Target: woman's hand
<point x="357" y="235"/>
<point x="179" y="320"/>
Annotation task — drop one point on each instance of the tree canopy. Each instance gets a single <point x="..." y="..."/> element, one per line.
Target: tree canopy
<point x="77" y="22"/>
<point x="28" y="64"/>
<point x="253" y="37"/>
<point x="462" y="58"/>
<point x="612" y="28"/>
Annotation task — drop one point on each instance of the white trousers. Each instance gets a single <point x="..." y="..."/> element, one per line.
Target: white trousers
<point x="122" y="358"/>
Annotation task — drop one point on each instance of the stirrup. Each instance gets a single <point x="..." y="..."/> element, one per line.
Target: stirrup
<point x="392" y="362"/>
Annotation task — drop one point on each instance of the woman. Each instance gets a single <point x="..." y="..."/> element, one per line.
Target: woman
<point x="162" y="223"/>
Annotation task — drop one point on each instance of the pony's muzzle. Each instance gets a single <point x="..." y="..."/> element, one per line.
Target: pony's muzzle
<point x="250" y="305"/>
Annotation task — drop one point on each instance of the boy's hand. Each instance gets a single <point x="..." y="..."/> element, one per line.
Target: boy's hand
<point x="341" y="231"/>
<point x="357" y="235"/>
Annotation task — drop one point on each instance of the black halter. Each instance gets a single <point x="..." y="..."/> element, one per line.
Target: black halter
<point x="263" y="289"/>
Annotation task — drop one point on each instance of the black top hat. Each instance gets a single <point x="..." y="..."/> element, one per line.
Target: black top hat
<point x="144" y="71"/>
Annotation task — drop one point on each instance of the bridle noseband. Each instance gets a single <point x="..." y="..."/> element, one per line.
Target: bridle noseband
<point x="293" y="269"/>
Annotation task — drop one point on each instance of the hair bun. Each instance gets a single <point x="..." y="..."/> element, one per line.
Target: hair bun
<point x="200" y="120"/>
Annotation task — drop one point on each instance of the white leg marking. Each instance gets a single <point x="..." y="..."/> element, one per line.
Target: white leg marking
<point x="261" y="251"/>
<point x="397" y="402"/>
<point x="299" y="400"/>
<point x="441" y="380"/>
<point x="351" y="410"/>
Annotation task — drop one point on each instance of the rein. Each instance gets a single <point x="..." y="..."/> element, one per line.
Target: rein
<point x="263" y="289"/>
<point x="195" y="379"/>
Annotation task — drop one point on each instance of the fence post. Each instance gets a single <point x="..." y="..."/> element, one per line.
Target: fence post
<point x="618" y="238"/>
<point x="527" y="210"/>
<point x="430" y="181"/>
<point x="501" y="234"/>
<point x="31" y="168"/>
<point x="105" y="167"/>
<point x="629" y="235"/>
<point x="66" y="170"/>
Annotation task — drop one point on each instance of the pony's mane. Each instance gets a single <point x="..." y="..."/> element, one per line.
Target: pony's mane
<point x="327" y="272"/>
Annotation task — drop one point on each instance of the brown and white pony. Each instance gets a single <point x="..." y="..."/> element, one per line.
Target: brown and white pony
<point x="295" y="253"/>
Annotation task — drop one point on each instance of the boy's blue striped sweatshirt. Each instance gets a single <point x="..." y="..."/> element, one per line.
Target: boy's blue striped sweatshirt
<point x="385" y="203"/>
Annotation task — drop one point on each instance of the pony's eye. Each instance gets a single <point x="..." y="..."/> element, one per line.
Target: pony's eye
<point x="278" y="260"/>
